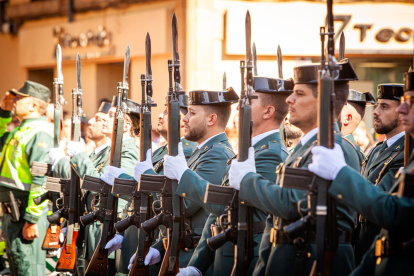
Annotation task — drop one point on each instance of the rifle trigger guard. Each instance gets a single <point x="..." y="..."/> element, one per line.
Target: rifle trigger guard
<point x="300" y="210"/>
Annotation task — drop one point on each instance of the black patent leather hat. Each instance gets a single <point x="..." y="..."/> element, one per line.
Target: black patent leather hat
<point x="390" y="91"/>
<point x="271" y="85"/>
<point x="203" y="97"/>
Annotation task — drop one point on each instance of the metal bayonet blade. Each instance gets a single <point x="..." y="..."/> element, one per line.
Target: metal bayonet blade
<point x="78" y="74"/>
<point x="279" y="62"/>
<point x="224" y="81"/>
<point x="342" y="46"/>
<point x="59" y="64"/>
<point x="125" y="81"/>
<point x="248" y="26"/>
<point x="176" y="57"/>
<point x="148" y="56"/>
<point x="254" y="59"/>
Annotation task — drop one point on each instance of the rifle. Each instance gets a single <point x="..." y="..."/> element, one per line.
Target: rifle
<point x="323" y="211"/>
<point x="172" y="207"/>
<point x="107" y="212"/>
<point x="51" y="240"/>
<point x="74" y="239"/>
<point x="144" y="240"/>
<point x="239" y="228"/>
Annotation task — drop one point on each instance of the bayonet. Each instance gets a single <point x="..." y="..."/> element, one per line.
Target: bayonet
<point x="224" y="81"/>
<point x="78" y="74"/>
<point x="176" y="58"/>
<point x="254" y="59"/>
<point x="342" y="46"/>
<point x="125" y="80"/>
<point x="148" y="69"/>
<point x="249" y="65"/>
<point x="279" y="61"/>
<point x="59" y="64"/>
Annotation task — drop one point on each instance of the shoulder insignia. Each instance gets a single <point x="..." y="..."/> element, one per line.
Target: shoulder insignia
<point x="187" y="144"/>
<point x="263" y="146"/>
<point x="349" y="141"/>
<point x="42" y="145"/>
<point x="206" y="147"/>
<point x="230" y="149"/>
<point x="398" y="147"/>
<point x="274" y="141"/>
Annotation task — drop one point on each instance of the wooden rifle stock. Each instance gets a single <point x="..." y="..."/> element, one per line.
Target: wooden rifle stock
<point x="99" y="262"/>
<point x="51" y="240"/>
<point x="166" y="261"/>
<point x="67" y="259"/>
<point x="138" y="268"/>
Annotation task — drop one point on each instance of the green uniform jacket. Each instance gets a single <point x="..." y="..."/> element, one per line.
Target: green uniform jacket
<point x="392" y="213"/>
<point x="208" y="163"/>
<point x="130" y="242"/>
<point x="361" y="154"/>
<point x="282" y="203"/>
<point x="375" y="171"/>
<point x="269" y="153"/>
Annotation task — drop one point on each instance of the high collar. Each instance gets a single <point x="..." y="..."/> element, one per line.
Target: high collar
<point x="101" y="148"/>
<point x="208" y="139"/>
<point x="394" y="138"/>
<point x="259" y="137"/>
<point x="308" y="136"/>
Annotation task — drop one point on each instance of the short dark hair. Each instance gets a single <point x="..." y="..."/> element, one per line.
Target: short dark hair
<point x="278" y="101"/>
<point x="341" y="95"/>
<point x="359" y="107"/>
<point x="223" y="113"/>
<point x="135" y="121"/>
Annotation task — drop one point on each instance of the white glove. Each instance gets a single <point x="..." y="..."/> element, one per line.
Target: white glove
<point x="114" y="244"/>
<point x="58" y="252"/>
<point x="327" y="163"/>
<point x="152" y="257"/>
<point x="143" y="166"/>
<point x="175" y="166"/>
<point x="62" y="234"/>
<point x="55" y="154"/>
<point x="111" y="173"/>
<point x="239" y="169"/>
<point x="189" y="271"/>
<point x="73" y="148"/>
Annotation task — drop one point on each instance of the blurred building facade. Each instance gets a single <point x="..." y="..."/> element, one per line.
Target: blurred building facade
<point x="379" y="41"/>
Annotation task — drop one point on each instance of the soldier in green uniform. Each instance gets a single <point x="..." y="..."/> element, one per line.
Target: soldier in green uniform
<point x="278" y="255"/>
<point x="268" y="112"/>
<point x="23" y="221"/>
<point x="96" y="161"/>
<point x="392" y="251"/>
<point x="130" y="240"/>
<point x="352" y="114"/>
<point x="205" y="122"/>
<point x="385" y="159"/>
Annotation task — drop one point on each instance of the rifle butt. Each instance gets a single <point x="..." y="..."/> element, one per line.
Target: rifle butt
<point x="138" y="268"/>
<point x="164" y="270"/>
<point x="51" y="240"/>
<point x="98" y="265"/>
<point x="67" y="259"/>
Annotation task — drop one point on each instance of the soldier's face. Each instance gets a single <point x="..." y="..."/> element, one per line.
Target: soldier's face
<point x="386" y="116"/>
<point x="406" y="110"/>
<point x="302" y="108"/>
<point x="108" y="122"/>
<point x="22" y="106"/>
<point x="162" y="126"/>
<point x="195" y="123"/>
<point x="95" y="127"/>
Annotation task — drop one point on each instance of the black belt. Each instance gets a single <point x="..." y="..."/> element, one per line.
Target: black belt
<point x="258" y="228"/>
<point x="280" y="237"/>
<point x="385" y="247"/>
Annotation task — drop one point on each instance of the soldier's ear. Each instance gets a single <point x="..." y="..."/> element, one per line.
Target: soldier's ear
<point x="212" y="119"/>
<point x="269" y="112"/>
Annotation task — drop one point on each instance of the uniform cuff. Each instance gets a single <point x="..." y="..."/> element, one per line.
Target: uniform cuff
<point x="5" y="113"/>
<point x="30" y="218"/>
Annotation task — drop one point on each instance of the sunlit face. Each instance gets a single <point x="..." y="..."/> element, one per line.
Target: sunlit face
<point x="386" y="116"/>
<point x="95" y="127"/>
<point x="406" y="111"/>
<point x="292" y="132"/>
<point x="302" y="107"/>
<point x="22" y="106"/>
<point x="195" y="123"/>
<point x="66" y="129"/>
<point x="108" y="122"/>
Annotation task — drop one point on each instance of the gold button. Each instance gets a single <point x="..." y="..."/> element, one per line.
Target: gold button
<point x="219" y="143"/>
<point x="242" y="202"/>
<point x="186" y="144"/>
<point x="75" y="165"/>
<point x="309" y="255"/>
<point x="378" y="261"/>
<point x="186" y="249"/>
<point x="274" y="141"/>
<point x="339" y="196"/>
<point x="184" y="195"/>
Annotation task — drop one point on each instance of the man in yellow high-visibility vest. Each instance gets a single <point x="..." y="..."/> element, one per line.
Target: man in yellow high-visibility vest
<point x="24" y="223"/>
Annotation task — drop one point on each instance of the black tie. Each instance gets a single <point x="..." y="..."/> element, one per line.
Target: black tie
<point x="384" y="146"/>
